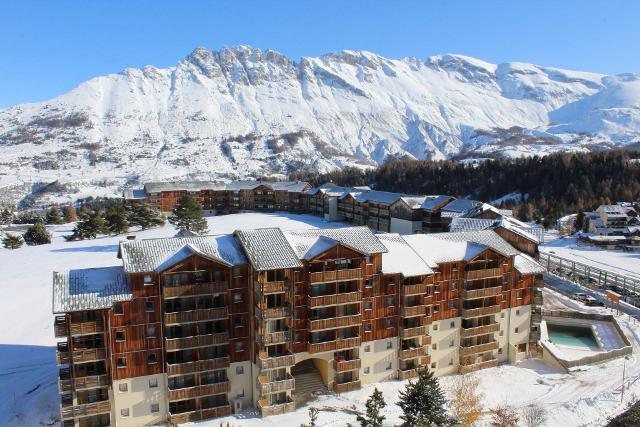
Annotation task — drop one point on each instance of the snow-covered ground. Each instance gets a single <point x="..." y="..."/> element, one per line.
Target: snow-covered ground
<point x="28" y="375"/>
<point x="618" y="261"/>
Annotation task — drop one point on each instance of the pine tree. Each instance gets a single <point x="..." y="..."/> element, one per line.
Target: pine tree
<point x="187" y="215"/>
<point x="144" y="216"/>
<point x="116" y="219"/>
<point x="90" y="224"/>
<point x="423" y="403"/>
<point x="37" y="234"/>
<point x="53" y="216"/>
<point x="12" y="241"/>
<point x="374" y="404"/>
<point x="69" y="214"/>
<point x="6" y="217"/>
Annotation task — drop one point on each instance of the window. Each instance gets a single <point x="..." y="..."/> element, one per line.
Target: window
<point x="390" y="302"/>
<point x="368" y="283"/>
<point x="152" y="358"/>
<point x="118" y="309"/>
<point x="389" y="344"/>
<point x="501" y="333"/>
<point x="499" y="351"/>
<point x="120" y="336"/>
<point x="389" y="323"/>
<point x="153" y="383"/>
<point x="450" y="362"/>
<point x="239" y="347"/>
<point x="122" y="362"/>
<point x="367" y="327"/>
<point x="367" y="259"/>
<point x="519" y="296"/>
<point x="436" y="308"/>
<point x="518" y="311"/>
<point x="368" y="305"/>
<point x="148" y="306"/>
<point x="434" y="346"/>
<point x="297" y="336"/>
<point x="240" y="393"/>
<point x="124" y="412"/>
<point x="433" y="365"/>
<point x="239" y="370"/>
<point x="237" y="321"/>
<point x="237" y="272"/>
<point x="389" y="366"/>
<point x="366" y="370"/>
<point x="502" y="315"/>
<point x="451" y="343"/>
<point x="237" y="297"/>
<point x="367" y="348"/>
<point x="435" y="326"/>
<point x="148" y="280"/>
<point x="452" y="325"/>
<point x="155" y="407"/>
<point x="516" y="331"/>
<point x="123" y="387"/>
<point x="151" y="332"/>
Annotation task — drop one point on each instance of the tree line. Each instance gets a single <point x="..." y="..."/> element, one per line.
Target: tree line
<point x="546" y="187"/>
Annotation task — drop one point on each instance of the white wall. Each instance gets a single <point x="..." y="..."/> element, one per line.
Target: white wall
<point x="138" y="398"/>
<point x="377" y="359"/>
<point x="403" y="226"/>
<point x="241" y="383"/>
<point x="445" y="356"/>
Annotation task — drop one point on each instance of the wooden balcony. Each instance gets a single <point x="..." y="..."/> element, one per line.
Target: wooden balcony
<point x="480" y="348"/>
<point x="482" y="293"/>
<point x="427" y="300"/>
<point x="407" y="373"/>
<point x="483" y="274"/>
<point x="196" y="289"/>
<point x="416" y="310"/>
<point x="413" y="332"/>
<point x="346" y="365"/>
<point x="482" y="311"/>
<point x="335" y="322"/>
<point x="86" y="328"/>
<point x="426" y="340"/>
<point x="336" y="299"/>
<point x="66" y="383"/>
<point x="279" y="337"/>
<point x="85" y="410"/>
<point x="60" y="326"/>
<point x="412" y="353"/>
<point x="200" y="390"/>
<point x="275" y="409"/>
<point x="274" y="313"/>
<point x="480" y="330"/>
<point x="274" y="362"/>
<point x="418" y="289"/>
<point x="267" y="386"/>
<point x="89" y="355"/>
<point x="464" y="369"/>
<point x="345" y="387"/>
<point x="204" y="414"/>
<point x="205" y="314"/>
<point x="196" y="341"/>
<point x="334" y="345"/>
<point x="62" y="353"/>
<point x="336" y="275"/>
<point x="198" y="366"/>
<point x="276" y="287"/>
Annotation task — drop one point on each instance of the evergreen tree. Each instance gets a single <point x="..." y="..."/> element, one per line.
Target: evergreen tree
<point x="53" y="216"/>
<point x="144" y="216"/>
<point x="89" y="225"/>
<point x="69" y="214"/>
<point x="187" y="215"/>
<point x="116" y="219"/>
<point x="374" y="404"/>
<point x="12" y="241"/>
<point x="37" y="234"/>
<point x="423" y="402"/>
<point x="6" y="217"/>
<point x="579" y="224"/>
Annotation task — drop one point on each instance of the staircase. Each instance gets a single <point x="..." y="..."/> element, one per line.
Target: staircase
<point x="308" y="382"/>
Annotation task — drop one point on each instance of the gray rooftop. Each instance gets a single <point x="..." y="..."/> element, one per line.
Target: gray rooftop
<point x="527" y="265"/>
<point x="460" y="224"/>
<point x="89" y="289"/>
<point x="435" y="202"/>
<point x="268" y="249"/>
<point x="360" y="239"/>
<point x="487" y="238"/>
<point x="460" y="205"/>
<point x="155" y="187"/>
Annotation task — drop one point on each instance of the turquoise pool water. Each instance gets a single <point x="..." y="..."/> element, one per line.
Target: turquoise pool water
<point x="576" y="336"/>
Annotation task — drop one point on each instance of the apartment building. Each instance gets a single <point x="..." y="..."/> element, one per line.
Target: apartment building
<point x="194" y="328"/>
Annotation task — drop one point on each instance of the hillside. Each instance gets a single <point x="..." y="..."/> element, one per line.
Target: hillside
<point x="241" y="112"/>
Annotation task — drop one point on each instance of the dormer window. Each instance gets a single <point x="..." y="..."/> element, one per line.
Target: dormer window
<point x="148" y="280"/>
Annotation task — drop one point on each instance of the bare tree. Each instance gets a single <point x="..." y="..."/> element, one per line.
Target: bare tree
<point x="466" y="402"/>
<point x="504" y="416"/>
<point x="534" y="416"/>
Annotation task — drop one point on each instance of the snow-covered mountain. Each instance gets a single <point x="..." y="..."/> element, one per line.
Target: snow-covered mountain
<point x="242" y="112"/>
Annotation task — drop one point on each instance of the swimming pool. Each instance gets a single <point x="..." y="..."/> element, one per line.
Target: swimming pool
<point x="572" y="335"/>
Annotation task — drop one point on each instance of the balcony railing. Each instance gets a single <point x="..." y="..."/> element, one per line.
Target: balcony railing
<point x="335" y="345"/>
<point x="346" y="365"/>
<point x="203" y="414"/>
<point x="344" y="387"/>
<point x="464" y="369"/>
<point x="335" y="275"/>
<point x="480" y="330"/>
<point x="198" y="366"/>
<point x="412" y="353"/>
<point x="266" y="386"/>
<point x="413" y="332"/>
<point x="273" y="362"/>
<point x="196" y="289"/>
<point x="480" y="348"/>
<point x="196" y="341"/>
<point x="482" y="293"/>
<point x="200" y="390"/>
<point x="426" y="340"/>
<point x="274" y="312"/>
<point x="279" y="337"/>
<point x="66" y="383"/>
<point x="482" y="274"/>
<point x="85" y="328"/>
<point x="416" y="310"/>
<point x="416" y="289"/>
<point x="60" y="326"/>
<point x="336" y="299"/>
<point x="84" y="410"/>
<point x="201" y="315"/>
<point x="277" y="408"/>
<point x="482" y="311"/>
<point x="335" y="322"/>
<point x="407" y="373"/>
<point x="62" y="354"/>
<point x="89" y="355"/>
<point x="274" y="287"/>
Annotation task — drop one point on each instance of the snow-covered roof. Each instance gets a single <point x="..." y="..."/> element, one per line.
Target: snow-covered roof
<point x="89" y="289"/>
<point x="435" y="202"/>
<point x="533" y="233"/>
<point x="470" y="224"/>
<point x="290" y="186"/>
<point x="414" y="202"/>
<point x="460" y="205"/>
<point x="401" y="257"/>
<point x="449" y="214"/>
<point x="151" y="254"/>
<point x="186" y="233"/>
<point x="612" y="210"/>
<point x="268" y="249"/>
<point x="435" y="251"/>
<point x="527" y="265"/>
<point x="135" y="194"/>
<point x="381" y="197"/>
<point x="156" y="187"/>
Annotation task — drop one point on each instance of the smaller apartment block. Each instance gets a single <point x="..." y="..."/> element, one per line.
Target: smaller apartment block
<point x="194" y="328"/>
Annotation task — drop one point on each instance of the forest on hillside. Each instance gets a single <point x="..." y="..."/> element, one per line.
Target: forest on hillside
<point x="546" y="188"/>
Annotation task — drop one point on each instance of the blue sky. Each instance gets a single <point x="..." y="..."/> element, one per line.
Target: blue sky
<point x="49" y="47"/>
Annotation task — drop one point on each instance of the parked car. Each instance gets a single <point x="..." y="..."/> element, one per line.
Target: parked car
<point x="589" y="300"/>
<point x="582" y="297"/>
